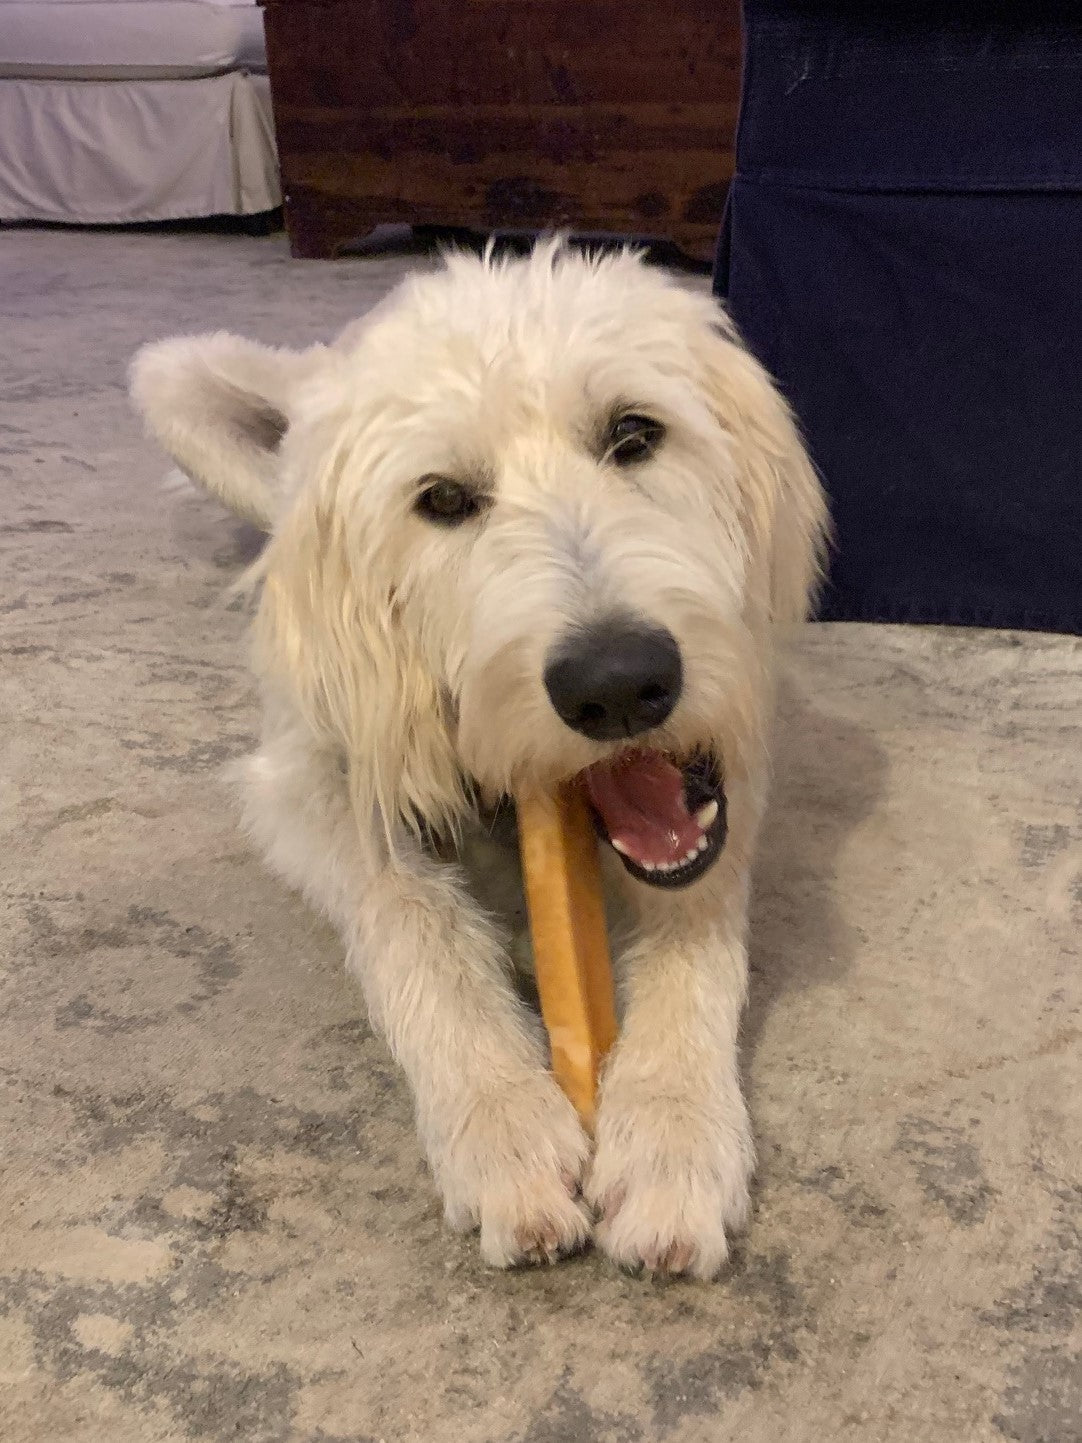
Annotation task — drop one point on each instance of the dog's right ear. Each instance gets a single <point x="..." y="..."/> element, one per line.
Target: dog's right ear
<point x="785" y="514"/>
<point x="221" y="406"/>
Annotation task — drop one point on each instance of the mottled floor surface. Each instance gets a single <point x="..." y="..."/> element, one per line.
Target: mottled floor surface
<point x="214" y="1221"/>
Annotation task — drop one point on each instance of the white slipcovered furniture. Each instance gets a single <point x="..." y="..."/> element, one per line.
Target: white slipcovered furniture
<point x="134" y="110"/>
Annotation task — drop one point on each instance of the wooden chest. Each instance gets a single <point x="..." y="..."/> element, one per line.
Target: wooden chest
<point x="616" y="116"/>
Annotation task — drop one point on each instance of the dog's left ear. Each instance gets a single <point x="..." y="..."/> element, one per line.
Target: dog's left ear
<point x="785" y="512"/>
<point x="221" y="406"/>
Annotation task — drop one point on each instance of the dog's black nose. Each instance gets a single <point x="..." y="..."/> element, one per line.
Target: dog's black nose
<point x="615" y="679"/>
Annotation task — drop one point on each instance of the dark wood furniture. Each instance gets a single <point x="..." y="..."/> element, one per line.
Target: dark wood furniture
<point x="599" y="116"/>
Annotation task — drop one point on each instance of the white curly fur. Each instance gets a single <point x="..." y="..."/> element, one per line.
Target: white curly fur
<point x="402" y="666"/>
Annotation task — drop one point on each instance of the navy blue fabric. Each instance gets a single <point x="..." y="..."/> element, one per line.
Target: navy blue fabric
<point x="903" y="250"/>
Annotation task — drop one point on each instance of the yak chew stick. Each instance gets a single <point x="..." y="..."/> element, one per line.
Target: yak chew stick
<point x="562" y="875"/>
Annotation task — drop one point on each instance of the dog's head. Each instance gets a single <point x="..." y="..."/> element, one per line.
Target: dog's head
<point x="531" y="519"/>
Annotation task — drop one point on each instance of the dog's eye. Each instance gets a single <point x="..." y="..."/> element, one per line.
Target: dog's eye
<point x="447" y="502"/>
<point x="633" y="437"/>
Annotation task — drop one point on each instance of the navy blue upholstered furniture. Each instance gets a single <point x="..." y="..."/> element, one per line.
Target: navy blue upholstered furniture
<point x="903" y="250"/>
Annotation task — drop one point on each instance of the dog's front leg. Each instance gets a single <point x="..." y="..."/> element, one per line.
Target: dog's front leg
<point x="504" y="1143"/>
<point x="674" y="1149"/>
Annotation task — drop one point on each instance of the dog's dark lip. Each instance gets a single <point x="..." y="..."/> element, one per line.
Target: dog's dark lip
<point x="702" y="783"/>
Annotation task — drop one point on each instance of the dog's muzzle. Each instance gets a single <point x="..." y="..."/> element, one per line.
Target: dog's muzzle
<point x="617" y="679"/>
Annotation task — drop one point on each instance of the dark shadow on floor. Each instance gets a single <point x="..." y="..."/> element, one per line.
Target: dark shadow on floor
<point x="262" y="223"/>
<point x="430" y="240"/>
<point x="829" y="777"/>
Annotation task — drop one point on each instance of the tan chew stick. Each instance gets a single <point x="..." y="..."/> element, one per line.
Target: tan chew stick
<point x="570" y="942"/>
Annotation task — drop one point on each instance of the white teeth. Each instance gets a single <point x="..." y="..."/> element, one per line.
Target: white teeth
<point x="706" y="816"/>
<point x="688" y="857"/>
<point x="619" y="847"/>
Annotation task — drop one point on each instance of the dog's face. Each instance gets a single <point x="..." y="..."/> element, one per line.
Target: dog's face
<point x="530" y="520"/>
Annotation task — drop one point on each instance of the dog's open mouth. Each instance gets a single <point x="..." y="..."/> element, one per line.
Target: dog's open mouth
<point x="665" y="821"/>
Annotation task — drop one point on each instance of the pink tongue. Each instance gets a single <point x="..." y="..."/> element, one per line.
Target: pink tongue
<point x="640" y="796"/>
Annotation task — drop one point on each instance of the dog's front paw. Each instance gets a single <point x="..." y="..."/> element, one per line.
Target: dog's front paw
<point x="514" y="1167"/>
<point x="670" y="1182"/>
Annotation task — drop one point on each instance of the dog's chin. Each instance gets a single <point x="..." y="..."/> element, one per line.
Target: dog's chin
<point x="664" y="818"/>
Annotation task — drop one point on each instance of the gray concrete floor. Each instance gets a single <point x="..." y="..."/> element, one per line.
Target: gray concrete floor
<point x="215" y="1221"/>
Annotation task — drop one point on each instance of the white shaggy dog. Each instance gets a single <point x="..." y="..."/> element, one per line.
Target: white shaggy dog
<point x="531" y="519"/>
